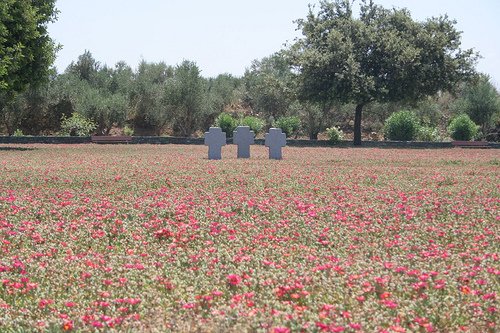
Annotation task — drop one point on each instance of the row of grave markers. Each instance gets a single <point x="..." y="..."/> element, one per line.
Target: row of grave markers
<point x="244" y="137"/>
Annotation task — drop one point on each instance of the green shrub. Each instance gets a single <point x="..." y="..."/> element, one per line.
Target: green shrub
<point x="289" y="125"/>
<point x="128" y="130"/>
<point x="402" y="126"/>
<point x="18" y="132"/>
<point x="334" y="134"/>
<point x="227" y="123"/>
<point x="77" y="125"/>
<point x="426" y="133"/>
<point x="255" y="124"/>
<point x="462" y="128"/>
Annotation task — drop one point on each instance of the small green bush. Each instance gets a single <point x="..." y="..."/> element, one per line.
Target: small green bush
<point x="77" y="125"/>
<point x="128" y="130"/>
<point x="18" y="132"/>
<point x="462" y="128"/>
<point x="402" y="126"/>
<point x="227" y="123"/>
<point x="289" y="125"/>
<point x="255" y="124"/>
<point x="334" y="134"/>
<point x="426" y="133"/>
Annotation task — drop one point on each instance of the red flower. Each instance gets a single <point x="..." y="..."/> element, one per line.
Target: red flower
<point x="68" y="325"/>
<point x="163" y="234"/>
<point x="189" y="306"/>
<point x="465" y="289"/>
<point x="233" y="279"/>
<point x="45" y="302"/>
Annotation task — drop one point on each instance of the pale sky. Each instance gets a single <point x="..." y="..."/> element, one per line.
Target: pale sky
<point x="224" y="36"/>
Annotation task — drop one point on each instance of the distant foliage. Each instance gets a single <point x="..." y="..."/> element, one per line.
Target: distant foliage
<point x="426" y="133"/>
<point x="77" y="125"/>
<point x="313" y="117"/>
<point x="402" y="126"/>
<point x="185" y="99"/>
<point x="146" y="96"/>
<point x="227" y="123"/>
<point x="334" y="134"/>
<point x="267" y="86"/>
<point x="480" y="101"/>
<point x="462" y="128"/>
<point x="256" y="124"/>
<point x="289" y="125"/>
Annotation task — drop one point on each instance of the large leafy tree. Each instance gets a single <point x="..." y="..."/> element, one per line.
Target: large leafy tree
<point x="26" y="49"/>
<point x="383" y="55"/>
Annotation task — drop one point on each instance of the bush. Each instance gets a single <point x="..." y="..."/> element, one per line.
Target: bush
<point x="18" y="132"/>
<point x="77" y="125"/>
<point x="227" y="123"/>
<point x="462" y="128"/>
<point x="334" y="134"/>
<point x="402" y="126"/>
<point x="426" y="133"/>
<point x="289" y="125"/>
<point x="128" y="130"/>
<point x="255" y="124"/>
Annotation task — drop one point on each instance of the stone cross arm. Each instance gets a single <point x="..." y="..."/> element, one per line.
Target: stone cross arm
<point x="243" y="135"/>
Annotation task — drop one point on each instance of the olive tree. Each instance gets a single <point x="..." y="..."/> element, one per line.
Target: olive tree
<point x="481" y="101"/>
<point x="99" y="92"/>
<point x="146" y="95"/>
<point x="185" y="97"/>
<point x="268" y="87"/>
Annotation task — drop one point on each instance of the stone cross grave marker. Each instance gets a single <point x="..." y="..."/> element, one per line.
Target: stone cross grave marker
<point x="275" y="140"/>
<point x="215" y="139"/>
<point x="243" y="137"/>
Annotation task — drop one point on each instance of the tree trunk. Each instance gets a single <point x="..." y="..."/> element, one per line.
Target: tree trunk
<point x="313" y="136"/>
<point x="357" y="125"/>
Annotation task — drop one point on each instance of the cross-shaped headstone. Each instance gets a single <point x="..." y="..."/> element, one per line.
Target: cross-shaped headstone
<point x="243" y="137"/>
<point x="215" y="139"/>
<point x="275" y="139"/>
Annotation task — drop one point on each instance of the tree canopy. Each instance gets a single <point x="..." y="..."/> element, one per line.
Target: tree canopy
<point x="383" y="55"/>
<point x="26" y="50"/>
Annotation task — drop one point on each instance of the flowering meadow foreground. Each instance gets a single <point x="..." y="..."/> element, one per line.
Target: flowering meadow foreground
<point x="141" y="238"/>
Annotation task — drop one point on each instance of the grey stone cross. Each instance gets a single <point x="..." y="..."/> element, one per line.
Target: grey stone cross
<point x="243" y="137"/>
<point x="215" y="139"/>
<point x="275" y="140"/>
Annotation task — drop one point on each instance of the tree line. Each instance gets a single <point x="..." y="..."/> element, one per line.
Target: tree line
<point x="345" y="71"/>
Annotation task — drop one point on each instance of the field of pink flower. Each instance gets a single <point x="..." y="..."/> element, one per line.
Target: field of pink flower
<point x="158" y="238"/>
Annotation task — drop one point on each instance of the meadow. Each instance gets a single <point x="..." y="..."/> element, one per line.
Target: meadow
<point x="144" y="238"/>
